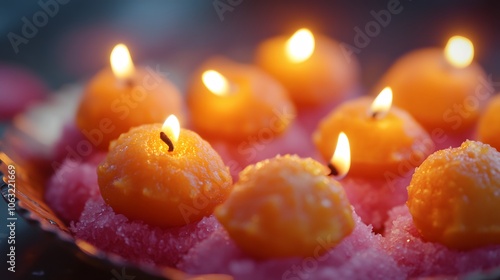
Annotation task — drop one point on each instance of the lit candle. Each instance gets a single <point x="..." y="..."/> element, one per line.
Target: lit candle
<point x="312" y="67"/>
<point x="163" y="175"/>
<point x="488" y="130"/>
<point x="124" y="96"/>
<point x="453" y="195"/>
<point x="442" y="89"/>
<point x="386" y="145"/>
<point x="233" y="101"/>
<point x="282" y="206"/>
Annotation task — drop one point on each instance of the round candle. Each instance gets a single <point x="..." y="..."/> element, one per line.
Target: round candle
<point x="121" y="97"/>
<point x="164" y="176"/>
<point x="233" y="101"/>
<point x="489" y="124"/>
<point x="280" y="207"/>
<point x="440" y="89"/>
<point x="454" y="196"/>
<point x="313" y="68"/>
<point x="382" y="138"/>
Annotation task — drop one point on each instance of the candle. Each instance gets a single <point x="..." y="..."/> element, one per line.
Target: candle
<point x="453" y="195"/>
<point x="164" y="176"/>
<point x="442" y="90"/>
<point x="313" y="68"/>
<point x="488" y="130"/>
<point x="282" y="206"/>
<point x="386" y="145"/>
<point x="233" y="101"/>
<point x="122" y="97"/>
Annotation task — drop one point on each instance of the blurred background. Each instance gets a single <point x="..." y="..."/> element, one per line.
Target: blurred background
<point x="69" y="41"/>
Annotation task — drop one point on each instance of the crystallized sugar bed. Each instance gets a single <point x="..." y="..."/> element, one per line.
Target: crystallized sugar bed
<point x="372" y="199"/>
<point x="358" y="256"/>
<point x="135" y="240"/>
<point x="419" y="258"/>
<point x="71" y="186"/>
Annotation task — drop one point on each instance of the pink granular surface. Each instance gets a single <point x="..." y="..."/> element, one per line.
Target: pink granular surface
<point x="419" y="258"/>
<point x="358" y="256"/>
<point x="239" y="155"/>
<point x="373" y="198"/>
<point x="135" y="240"/>
<point x="71" y="186"/>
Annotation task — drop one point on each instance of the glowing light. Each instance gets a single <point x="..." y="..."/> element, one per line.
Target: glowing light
<point x="459" y="51"/>
<point x="172" y="128"/>
<point x="121" y="62"/>
<point x="341" y="159"/>
<point x="300" y="46"/>
<point x="215" y="82"/>
<point x="381" y="104"/>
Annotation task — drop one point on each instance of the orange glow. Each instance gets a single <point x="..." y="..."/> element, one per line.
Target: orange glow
<point x="459" y="51"/>
<point x="172" y="128"/>
<point x="300" y="46"/>
<point x="121" y="62"/>
<point x="341" y="159"/>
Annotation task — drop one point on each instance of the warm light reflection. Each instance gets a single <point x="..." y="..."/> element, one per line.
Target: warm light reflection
<point x="381" y="104"/>
<point x="121" y="62"/>
<point x="459" y="51"/>
<point x="300" y="46"/>
<point x="215" y="82"/>
<point x="172" y="128"/>
<point x="341" y="159"/>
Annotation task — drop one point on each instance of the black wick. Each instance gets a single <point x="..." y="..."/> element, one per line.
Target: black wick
<point x="333" y="170"/>
<point x="167" y="141"/>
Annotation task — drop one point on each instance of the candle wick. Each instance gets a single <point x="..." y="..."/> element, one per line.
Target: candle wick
<point x="375" y="114"/>
<point x="167" y="141"/>
<point x="333" y="170"/>
<point x="129" y="82"/>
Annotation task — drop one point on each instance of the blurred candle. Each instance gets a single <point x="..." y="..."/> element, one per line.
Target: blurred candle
<point x="441" y="89"/>
<point x="313" y="68"/>
<point x="488" y="130"/>
<point x="122" y="97"/>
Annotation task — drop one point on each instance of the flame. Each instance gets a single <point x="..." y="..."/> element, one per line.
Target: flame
<point x="459" y="51"/>
<point x="121" y="62"/>
<point x="300" y="46"/>
<point x="341" y="159"/>
<point x="382" y="103"/>
<point x="215" y="82"/>
<point x="172" y="128"/>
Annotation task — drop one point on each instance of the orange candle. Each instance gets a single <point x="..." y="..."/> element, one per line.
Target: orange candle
<point x="454" y="196"/>
<point x="489" y="124"/>
<point x="282" y="206"/>
<point x="164" y="176"/>
<point x="121" y="97"/>
<point x="383" y="138"/>
<point x="232" y="101"/>
<point x="313" y="68"/>
<point x="442" y="90"/>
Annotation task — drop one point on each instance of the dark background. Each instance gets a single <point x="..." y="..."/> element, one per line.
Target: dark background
<point x="76" y="42"/>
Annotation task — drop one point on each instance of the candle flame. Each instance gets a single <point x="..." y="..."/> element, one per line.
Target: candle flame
<point x="172" y="128"/>
<point x="215" y="82"/>
<point x="459" y="51"/>
<point x="382" y="103"/>
<point x="300" y="46"/>
<point x="341" y="159"/>
<point x="121" y="62"/>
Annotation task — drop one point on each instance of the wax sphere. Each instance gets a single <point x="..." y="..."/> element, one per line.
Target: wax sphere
<point x="19" y="88"/>
<point x="115" y="101"/>
<point x="437" y="94"/>
<point x="327" y="75"/>
<point x="454" y="195"/>
<point x="377" y="145"/>
<point x="280" y="207"/>
<point x="142" y="180"/>
<point x="250" y="102"/>
<point x="489" y="124"/>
